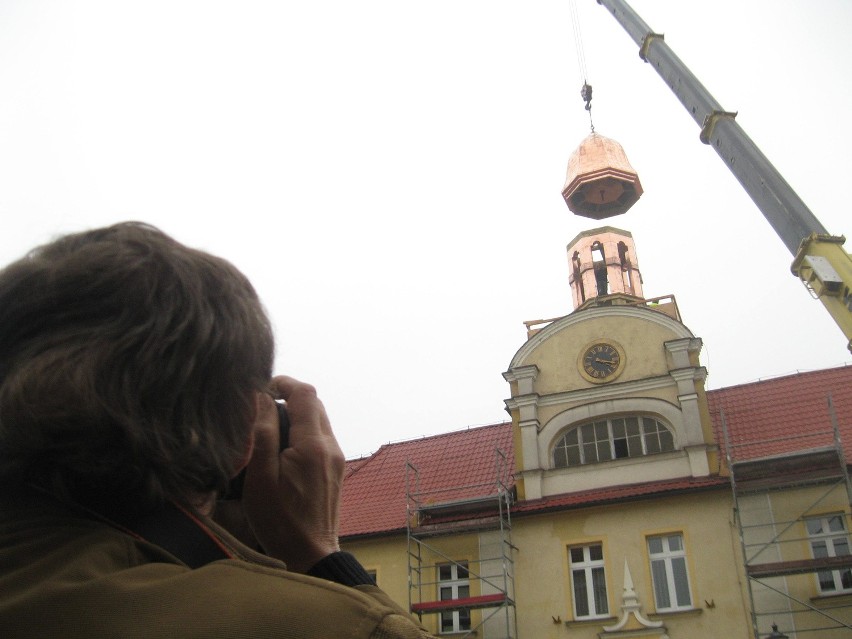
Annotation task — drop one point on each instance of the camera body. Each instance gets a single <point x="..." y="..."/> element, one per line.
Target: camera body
<point x="235" y="488"/>
<point x="283" y="425"/>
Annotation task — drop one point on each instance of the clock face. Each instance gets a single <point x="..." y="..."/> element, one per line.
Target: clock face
<point x="601" y="362"/>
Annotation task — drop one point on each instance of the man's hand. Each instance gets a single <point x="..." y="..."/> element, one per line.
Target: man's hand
<point x="292" y="499"/>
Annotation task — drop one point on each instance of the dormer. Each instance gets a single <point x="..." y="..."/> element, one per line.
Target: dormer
<point x="611" y="394"/>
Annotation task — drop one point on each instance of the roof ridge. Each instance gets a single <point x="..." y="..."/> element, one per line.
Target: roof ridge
<point x="421" y="438"/>
<point x="781" y="376"/>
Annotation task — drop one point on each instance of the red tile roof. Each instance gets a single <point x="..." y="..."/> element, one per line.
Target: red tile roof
<point x="784" y="414"/>
<point x="765" y="418"/>
<point x="622" y="493"/>
<point x="451" y="466"/>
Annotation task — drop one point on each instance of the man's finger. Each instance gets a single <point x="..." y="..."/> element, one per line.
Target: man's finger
<point x="303" y="405"/>
<point x="264" y="457"/>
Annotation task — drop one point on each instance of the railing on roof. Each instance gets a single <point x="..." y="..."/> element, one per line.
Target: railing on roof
<point x="663" y="304"/>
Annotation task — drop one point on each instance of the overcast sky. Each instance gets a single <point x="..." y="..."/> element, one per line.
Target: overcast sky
<point x="389" y="172"/>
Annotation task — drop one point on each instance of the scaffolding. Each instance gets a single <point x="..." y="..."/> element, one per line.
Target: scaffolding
<point x="780" y="505"/>
<point x="481" y="509"/>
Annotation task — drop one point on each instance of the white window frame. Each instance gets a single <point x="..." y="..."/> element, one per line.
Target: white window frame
<point x="458" y="583"/>
<point x="834" y="537"/>
<point x="585" y="571"/>
<point x="670" y="573"/>
<point x="611" y="445"/>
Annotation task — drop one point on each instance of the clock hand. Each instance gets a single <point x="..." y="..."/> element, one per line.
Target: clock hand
<point x="605" y="361"/>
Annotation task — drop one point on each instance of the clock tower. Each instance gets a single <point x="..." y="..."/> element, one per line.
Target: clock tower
<point x="612" y="393"/>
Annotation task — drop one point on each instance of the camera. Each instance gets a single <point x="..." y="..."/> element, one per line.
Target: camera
<point x="235" y="488"/>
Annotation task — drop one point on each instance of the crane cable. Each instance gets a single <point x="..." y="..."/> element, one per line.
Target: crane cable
<point x="586" y="90"/>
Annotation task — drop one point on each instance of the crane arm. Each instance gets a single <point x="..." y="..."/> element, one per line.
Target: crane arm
<point x="819" y="259"/>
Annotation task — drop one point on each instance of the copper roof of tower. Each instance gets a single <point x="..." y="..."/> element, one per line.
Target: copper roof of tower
<point x="600" y="182"/>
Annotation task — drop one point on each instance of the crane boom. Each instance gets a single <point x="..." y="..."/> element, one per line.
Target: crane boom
<point x="819" y="259"/>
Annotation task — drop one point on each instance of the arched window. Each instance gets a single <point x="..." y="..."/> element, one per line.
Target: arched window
<point x="612" y="438"/>
<point x="599" y="264"/>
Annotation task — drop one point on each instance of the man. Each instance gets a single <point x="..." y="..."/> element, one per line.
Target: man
<point x="135" y="384"/>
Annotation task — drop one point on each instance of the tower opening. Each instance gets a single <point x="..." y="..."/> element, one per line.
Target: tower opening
<point x="627" y="272"/>
<point x="599" y="264"/>
<point x="578" y="275"/>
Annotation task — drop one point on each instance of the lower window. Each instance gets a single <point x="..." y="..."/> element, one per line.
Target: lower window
<point x="454" y="583"/>
<point x="668" y="571"/>
<point x="588" y="581"/>
<point x="828" y="538"/>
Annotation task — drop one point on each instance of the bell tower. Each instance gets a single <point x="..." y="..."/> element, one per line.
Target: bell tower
<point x="603" y="262"/>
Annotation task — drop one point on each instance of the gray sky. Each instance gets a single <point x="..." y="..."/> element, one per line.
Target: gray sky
<point x="388" y="173"/>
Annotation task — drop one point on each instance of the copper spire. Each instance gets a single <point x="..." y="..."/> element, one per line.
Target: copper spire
<point x="600" y="181"/>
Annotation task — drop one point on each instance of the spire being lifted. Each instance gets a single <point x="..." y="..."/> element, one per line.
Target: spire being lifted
<point x="601" y="182"/>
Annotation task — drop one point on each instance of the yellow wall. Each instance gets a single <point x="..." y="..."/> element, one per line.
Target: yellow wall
<point x="542" y="579"/>
<point x="642" y="341"/>
<point x="388" y="556"/>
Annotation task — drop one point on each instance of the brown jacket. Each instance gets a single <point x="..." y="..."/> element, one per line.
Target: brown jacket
<point x="63" y="574"/>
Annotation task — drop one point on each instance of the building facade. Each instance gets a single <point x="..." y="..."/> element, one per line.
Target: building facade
<point x="622" y="499"/>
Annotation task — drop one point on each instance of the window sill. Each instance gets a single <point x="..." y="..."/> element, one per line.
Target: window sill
<point x="590" y="621"/>
<point x="685" y="612"/>
<point x="832" y="597"/>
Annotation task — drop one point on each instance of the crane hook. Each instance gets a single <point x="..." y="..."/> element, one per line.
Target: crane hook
<point x="586" y="94"/>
